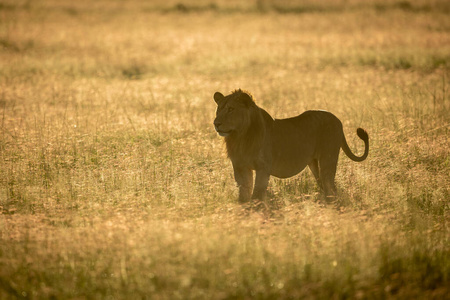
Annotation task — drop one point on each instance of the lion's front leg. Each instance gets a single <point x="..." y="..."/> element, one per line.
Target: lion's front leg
<point x="244" y="180"/>
<point x="261" y="183"/>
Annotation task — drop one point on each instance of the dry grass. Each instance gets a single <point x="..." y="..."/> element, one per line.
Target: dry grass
<point x="113" y="183"/>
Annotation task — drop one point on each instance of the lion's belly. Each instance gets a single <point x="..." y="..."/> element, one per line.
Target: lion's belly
<point x="289" y="161"/>
<point x="284" y="167"/>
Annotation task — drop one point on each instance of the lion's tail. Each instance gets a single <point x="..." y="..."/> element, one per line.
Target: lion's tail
<point x="362" y="135"/>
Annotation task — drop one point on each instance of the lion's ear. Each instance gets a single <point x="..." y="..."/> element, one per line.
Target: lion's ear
<point x="218" y="96"/>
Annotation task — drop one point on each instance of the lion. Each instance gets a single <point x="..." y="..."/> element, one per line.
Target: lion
<point x="280" y="147"/>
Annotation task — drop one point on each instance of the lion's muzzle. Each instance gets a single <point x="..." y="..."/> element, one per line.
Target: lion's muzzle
<point x="220" y="131"/>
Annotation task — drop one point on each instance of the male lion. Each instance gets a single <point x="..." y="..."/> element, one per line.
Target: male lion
<point x="279" y="147"/>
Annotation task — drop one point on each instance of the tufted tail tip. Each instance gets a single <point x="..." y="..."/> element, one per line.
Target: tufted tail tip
<point x="362" y="134"/>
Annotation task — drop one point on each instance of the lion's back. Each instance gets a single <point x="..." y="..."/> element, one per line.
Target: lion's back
<point x="306" y="125"/>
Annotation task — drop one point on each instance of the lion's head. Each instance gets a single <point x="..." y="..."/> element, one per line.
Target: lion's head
<point x="233" y="115"/>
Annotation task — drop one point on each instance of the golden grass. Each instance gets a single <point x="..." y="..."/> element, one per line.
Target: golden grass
<point x="113" y="182"/>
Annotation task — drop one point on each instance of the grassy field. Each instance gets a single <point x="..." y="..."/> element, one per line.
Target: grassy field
<point x="114" y="184"/>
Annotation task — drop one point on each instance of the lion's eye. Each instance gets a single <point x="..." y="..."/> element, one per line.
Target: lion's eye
<point x="230" y="109"/>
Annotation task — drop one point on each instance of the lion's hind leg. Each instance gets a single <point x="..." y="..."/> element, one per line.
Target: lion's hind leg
<point x="327" y="173"/>
<point x="314" y="167"/>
